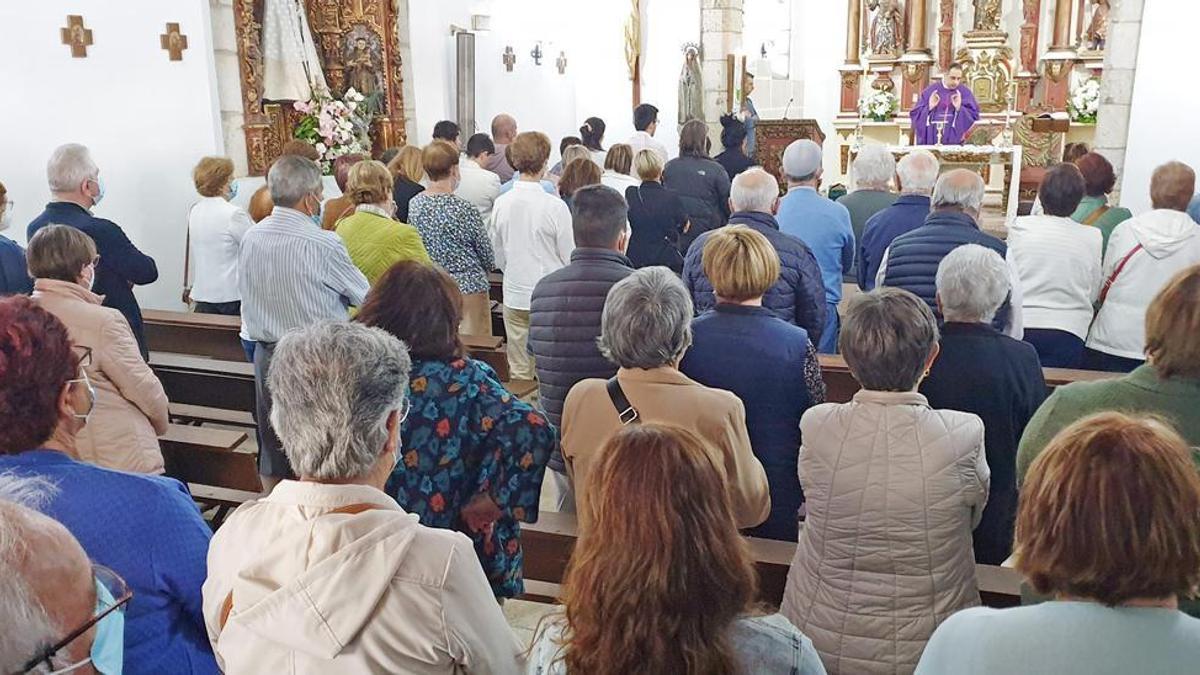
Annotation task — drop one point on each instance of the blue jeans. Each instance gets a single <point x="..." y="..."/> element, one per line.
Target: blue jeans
<point x="833" y="326"/>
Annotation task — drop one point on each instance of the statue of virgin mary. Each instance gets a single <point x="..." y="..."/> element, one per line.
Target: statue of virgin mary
<point x="291" y="67"/>
<point x="691" y="89"/>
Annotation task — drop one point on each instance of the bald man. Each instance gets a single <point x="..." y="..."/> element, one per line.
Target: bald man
<point x="504" y="130"/>
<point x="46" y="588"/>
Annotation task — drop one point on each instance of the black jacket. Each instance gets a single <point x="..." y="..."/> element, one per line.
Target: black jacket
<point x="734" y="161"/>
<point x="564" y="323"/>
<point x="703" y="186"/>
<point x="14" y="277"/>
<point x="984" y="372"/>
<point x="656" y="217"/>
<point x="403" y="190"/>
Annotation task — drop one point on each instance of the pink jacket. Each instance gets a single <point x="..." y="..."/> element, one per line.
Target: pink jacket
<point x="131" y="406"/>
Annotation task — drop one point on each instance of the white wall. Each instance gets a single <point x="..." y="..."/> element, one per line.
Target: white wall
<point x="1162" y="117"/>
<point x="146" y="119"/>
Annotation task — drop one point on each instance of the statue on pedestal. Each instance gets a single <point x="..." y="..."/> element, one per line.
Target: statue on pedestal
<point x="887" y="27"/>
<point x="691" y="88"/>
<point x="987" y="15"/>
<point x="1097" y="31"/>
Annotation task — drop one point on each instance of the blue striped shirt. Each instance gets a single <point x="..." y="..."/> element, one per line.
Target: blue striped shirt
<point x="291" y="274"/>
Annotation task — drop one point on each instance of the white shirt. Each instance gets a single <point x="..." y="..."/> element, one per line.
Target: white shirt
<point x="641" y="140"/>
<point x="215" y="228"/>
<point x="532" y="236"/>
<point x="618" y="181"/>
<point x="1058" y="268"/>
<point x="478" y="186"/>
<point x="598" y="156"/>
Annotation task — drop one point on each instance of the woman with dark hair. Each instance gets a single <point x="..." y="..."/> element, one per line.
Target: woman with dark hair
<point x="733" y="139"/>
<point x="702" y="183"/>
<point x="668" y="589"/>
<point x="1099" y="180"/>
<point x="578" y="173"/>
<point x="592" y="135"/>
<point x="474" y="455"/>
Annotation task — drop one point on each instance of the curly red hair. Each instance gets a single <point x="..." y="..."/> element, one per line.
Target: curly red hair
<point x="35" y="363"/>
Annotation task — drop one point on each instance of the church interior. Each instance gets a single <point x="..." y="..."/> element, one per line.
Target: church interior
<point x="551" y="336"/>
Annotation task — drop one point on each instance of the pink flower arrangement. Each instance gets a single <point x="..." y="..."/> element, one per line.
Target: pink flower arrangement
<point x="334" y="127"/>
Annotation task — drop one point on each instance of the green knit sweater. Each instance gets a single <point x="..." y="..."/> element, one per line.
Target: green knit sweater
<point x="1177" y="400"/>
<point x="1107" y="222"/>
<point x="376" y="243"/>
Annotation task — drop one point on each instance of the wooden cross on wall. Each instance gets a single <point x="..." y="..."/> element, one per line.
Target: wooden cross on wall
<point x="509" y="58"/>
<point x="174" y="42"/>
<point x="76" y="36"/>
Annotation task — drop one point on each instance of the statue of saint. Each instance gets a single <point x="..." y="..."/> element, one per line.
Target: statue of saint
<point x="1097" y="30"/>
<point x="887" y="28"/>
<point x="987" y="15"/>
<point x="361" y="69"/>
<point x="691" y="90"/>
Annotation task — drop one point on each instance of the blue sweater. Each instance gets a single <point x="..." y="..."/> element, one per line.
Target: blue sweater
<point x="760" y="358"/>
<point x="905" y="215"/>
<point x="14" y="277"/>
<point x="148" y="530"/>
<point x="122" y="265"/>
<point x="824" y="225"/>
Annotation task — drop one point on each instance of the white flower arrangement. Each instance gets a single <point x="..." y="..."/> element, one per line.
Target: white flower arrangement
<point x="1084" y="103"/>
<point x="879" y="105"/>
<point x="334" y="127"/>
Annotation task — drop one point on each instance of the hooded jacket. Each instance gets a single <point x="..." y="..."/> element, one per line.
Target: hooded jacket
<point x="1170" y="242"/>
<point x="319" y="578"/>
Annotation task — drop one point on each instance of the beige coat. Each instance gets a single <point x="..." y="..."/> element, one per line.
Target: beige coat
<point x="666" y="395"/>
<point x="322" y="578"/>
<point x="894" y="489"/>
<point x="131" y="406"/>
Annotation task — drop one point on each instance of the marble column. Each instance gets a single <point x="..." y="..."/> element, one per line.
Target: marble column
<point x="720" y="36"/>
<point x="1116" y="87"/>
<point x="916" y="61"/>
<point x="852" y="70"/>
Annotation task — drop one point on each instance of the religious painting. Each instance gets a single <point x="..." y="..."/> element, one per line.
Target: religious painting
<point x="362" y="55"/>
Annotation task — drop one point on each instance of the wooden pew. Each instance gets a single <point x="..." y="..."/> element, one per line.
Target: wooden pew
<point x="548" y="544"/>
<point x="211" y="335"/>
<point x="209" y="462"/>
<point x="199" y="381"/>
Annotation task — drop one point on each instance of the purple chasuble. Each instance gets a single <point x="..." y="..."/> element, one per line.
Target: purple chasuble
<point x="958" y="122"/>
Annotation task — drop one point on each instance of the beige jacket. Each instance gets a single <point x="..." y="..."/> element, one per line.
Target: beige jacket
<point x="338" y="579"/>
<point x="894" y="489"/>
<point x="666" y="395"/>
<point x="131" y="406"/>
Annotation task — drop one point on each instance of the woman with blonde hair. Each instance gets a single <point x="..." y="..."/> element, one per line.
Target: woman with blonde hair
<point x="408" y="171"/>
<point x="215" y="229"/>
<point x="372" y="236"/>
<point x="1109" y="526"/>
<point x="668" y="589"/>
<point x="656" y="216"/>
<point x="618" y="164"/>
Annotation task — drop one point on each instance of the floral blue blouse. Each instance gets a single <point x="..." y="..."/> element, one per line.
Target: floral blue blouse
<point x="466" y="435"/>
<point x="453" y="233"/>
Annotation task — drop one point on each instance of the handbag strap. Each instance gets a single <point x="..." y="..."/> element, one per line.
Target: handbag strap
<point x="625" y="410"/>
<point x="1112" y="278"/>
<point x="1095" y="216"/>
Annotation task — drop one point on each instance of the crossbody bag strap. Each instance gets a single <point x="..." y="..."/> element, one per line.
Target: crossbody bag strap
<point x="625" y="410"/>
<point x="186" y="294"/>
<point x="1095" y="216"/>
<point x="1112" y="278"/>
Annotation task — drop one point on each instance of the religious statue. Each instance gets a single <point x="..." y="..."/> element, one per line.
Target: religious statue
<point x="887" y="28"/>
<point x="691" y="90"/>
<point x="1097" y="30"/>
<point x="987" y="15"/>
<point x="291" y="67"/>
<point x="362" y="68"/>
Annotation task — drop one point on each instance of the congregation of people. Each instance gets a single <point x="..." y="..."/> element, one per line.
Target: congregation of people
<point x="674" y="311"/>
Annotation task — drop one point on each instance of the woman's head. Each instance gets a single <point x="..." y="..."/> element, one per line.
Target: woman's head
<point x="407" y="164"/>
<point x="212" y="176"/>
<point x="419" y="304"/>
<point x="1110" y="511"/>
<point x="440" y="160"/>
<point x="647" y="320"/>
<point x="654" y="590"/>
<point x="740" y="263"/>
<point x="574" y="152"/>
<point x="619" y="158"/>
<point x="592" y="133"/>
<point x="529" y="152"/>
<point x="1073" y="151"/>
<point x="972" y="284"/>
<point x="37" y="365"/>
<point x="1173" y="324"/>
<point x="341" y="168"/>
<point x="889" y="338"/>
<point x="733" y="132"/>
<point x="578" y="173"/>
<point x="64" y="253"/>
<point x="649" y="165"/>
<point x="369" y="182"/>
<point x="693" y="139"/>
<point x="1098" y="176"/>
<point x="1062" y="189"/>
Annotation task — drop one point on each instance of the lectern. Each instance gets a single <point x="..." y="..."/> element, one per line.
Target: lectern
<point x="771" y="138"/>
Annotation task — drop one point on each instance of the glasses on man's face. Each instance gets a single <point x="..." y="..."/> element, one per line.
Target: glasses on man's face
<point x="84" y="355"/>
<point x="118" y="598"/>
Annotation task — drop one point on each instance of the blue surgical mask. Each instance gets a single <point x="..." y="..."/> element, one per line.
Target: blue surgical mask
<point x="320" y="214"/>
<point x="232" y="192"/>
<point x="108" y="649"/>
<point x="99" y="191"/>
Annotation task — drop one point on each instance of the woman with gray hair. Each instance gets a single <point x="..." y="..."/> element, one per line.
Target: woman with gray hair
<point x="894" y="488"/>
<point x="985" y="372"/>
<point x="328" y="573"/>
<point x="645" y="330"/>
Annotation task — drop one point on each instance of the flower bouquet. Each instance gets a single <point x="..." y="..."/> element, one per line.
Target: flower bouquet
<point x="1084" y="104"/>
<point x="878" y="106"/>
<point x="334" y="127"/>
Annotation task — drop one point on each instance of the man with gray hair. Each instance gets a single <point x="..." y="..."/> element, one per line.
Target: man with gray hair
<point x="916" y="172"/>
<point x="822" y="224"/>
<point x="911" y="261"/>
<point x="328" y="573"/>
<point x="291" y="274"/>
<point x="798" y="296"/>
<point x="873" y="170"/>
<point x="76" y="188"/>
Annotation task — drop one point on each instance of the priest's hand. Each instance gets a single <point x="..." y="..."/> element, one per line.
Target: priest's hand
<point x="956" y="99"/>
<point x="934" y="100"/>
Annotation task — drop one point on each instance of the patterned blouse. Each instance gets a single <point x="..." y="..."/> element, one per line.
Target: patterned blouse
<point x="455" y="237"/>
<point x="467" y="435"/>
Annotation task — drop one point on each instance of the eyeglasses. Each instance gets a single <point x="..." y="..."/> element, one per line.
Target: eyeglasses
<point x="84" y="354"/>
<point x="119" y="596"/>
<point x="96" y="260"/>
<point x="405" y="409"/>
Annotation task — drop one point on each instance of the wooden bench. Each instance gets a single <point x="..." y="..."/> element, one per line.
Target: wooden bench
<point x="210" y="462"/>
<point x="548" y="544"/>
<point x="198" y="415"/>
<point x="211" y="335"/>
<point x="200" y="381"/>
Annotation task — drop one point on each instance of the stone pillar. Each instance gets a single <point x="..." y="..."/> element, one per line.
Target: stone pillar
<point x="229" y="83"/>
<point x="1116" y="86"/>
<point x="1058" y="61"/>
<point x="916" y="61"/>
<point x="852" y="70"/>
<point x="720" y="36"/>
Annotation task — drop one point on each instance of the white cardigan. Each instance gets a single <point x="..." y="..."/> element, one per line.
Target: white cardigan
<point x="1058" y="267"/>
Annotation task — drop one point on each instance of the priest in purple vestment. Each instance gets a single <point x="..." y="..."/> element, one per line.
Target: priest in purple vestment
<point x="948" y="104"/>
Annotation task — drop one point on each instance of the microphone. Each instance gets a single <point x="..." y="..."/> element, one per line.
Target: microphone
<point x="787" y="107"/>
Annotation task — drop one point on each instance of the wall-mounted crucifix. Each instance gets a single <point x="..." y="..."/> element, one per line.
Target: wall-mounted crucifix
<point x="509" y="58"/>
<point x="537" y="54"/>
<point x="561" y="63"/>
<point x="76" y="36"/>
<point x="174" y="42"/>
